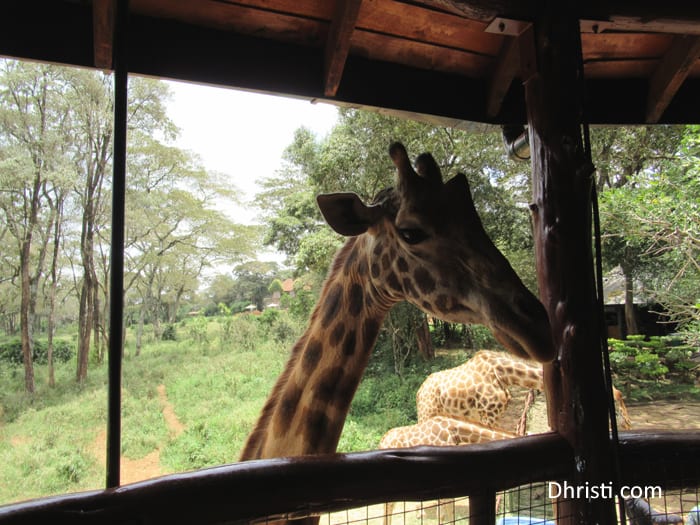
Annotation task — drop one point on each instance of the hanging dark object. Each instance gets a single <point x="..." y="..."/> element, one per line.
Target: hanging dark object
<point x="516" y="140"/>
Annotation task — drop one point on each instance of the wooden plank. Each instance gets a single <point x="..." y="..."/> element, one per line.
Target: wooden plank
<point x="670" y="16"/>
<point x="338" y="43"/>
<point x="103" y="32"/>
<point x="243" y="19"/>
<point x="416" y="54"/>
<point x="620" y="68"/>
<point x="427" y="26"/>
<point x="670" y="75"/>
<point x="603" y="46"/>
<point x="311" y="9"/>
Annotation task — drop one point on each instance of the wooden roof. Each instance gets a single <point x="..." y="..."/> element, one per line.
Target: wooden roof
<point x="450" y="61"/>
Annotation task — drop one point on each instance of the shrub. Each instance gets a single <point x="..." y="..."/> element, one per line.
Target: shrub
<point x="638" y="358"/>
<point x="11" y="351"/>
<point x="198" y="330"/>
<point x="169" y="333"/>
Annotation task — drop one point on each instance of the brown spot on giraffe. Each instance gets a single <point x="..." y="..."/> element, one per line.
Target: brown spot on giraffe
<point x="430" y="225"/>
<point x="337" y="333"/>
<point x="312" y="355"/>
<point x="424" y="280"/>
<point x="349" y="343"/>
<point x="355" y="299"/>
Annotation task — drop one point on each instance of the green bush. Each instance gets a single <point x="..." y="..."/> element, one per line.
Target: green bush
<point x="169" y="333"/>
<point x="640" y="358"/>
<point x="11" y="351"/>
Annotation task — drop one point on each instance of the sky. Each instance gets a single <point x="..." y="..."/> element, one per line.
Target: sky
<point x="242" y="134"/>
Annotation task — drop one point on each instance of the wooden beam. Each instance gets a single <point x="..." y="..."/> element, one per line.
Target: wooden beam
<point x="505" y="71"/>
<point x="669" y="76"/>
<point x="516" y="59"/>
<point x="670" y="16"/>
<point x="338" y="43"/>
<point x="103" y="32"/>
<point x="561" y="185"/>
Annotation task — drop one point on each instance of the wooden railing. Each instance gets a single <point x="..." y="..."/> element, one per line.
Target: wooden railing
<point x="303" y="486"/>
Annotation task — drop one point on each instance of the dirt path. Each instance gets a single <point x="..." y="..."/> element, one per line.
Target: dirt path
<point x="133" y="470"/>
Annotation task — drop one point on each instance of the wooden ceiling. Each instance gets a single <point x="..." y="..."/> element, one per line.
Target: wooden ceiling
<point x="450" y="61"/>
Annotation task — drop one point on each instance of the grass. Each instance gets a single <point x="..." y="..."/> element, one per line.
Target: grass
<point x="51" y="442"/>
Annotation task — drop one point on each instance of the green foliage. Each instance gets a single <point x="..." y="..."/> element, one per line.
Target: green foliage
<point x="169" y="333"/>
<point x="278" y="325"/>
<point x="275" y="286"/>
<point x="301" y="304"/>
<point x="198" y="331"/>
<point x="478" y="337"/>
<point x="11" y="351"/>
<point x="637" y="358"/>
<point x="650" y="212"/>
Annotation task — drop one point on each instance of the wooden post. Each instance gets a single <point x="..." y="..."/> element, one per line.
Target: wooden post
<point x="562" y="182"/>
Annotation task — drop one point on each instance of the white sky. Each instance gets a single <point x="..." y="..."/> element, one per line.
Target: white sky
<point x="242" y="134"/>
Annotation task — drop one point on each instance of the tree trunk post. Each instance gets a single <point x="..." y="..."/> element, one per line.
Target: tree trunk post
<point x="562" y="184"/>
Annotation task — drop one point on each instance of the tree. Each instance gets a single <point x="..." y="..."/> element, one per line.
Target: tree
<point x="172" y="233"/>
<point x="252" y="280"/>
<point x="353" y="157"/>
<point x="623" y="155"/>
<point x="55" y="175"/>
<point x="32" y="119"/>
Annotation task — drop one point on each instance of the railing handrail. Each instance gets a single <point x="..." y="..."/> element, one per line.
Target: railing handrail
<point x="249" y="490"/>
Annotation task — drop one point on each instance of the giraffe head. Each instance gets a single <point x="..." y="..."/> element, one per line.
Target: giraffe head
<point x="426" y="245"/>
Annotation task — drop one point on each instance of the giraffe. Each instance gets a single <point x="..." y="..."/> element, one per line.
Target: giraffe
<point x="438" y="431"/>
<point x="478" y="389"/>
<point x="421" y="241"/>
<point x="441" y="431"/>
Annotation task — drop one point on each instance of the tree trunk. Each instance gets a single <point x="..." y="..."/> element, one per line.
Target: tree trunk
<point x="85" y="324"/>
<point x="28" y="287"/>
<point x="57" y="222"/>
<point x="86" y="321"/>
<point x="26" y="322"/>
<point x="425" y="343"/>
<point x="630" y="314"/>
<point x="139" y="329"/>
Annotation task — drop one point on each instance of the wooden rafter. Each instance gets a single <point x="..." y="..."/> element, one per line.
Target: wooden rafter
<point x="338" y="43"/>
<point x="670" y="75"/>
<point x="505" y="71"/>
<point x="516" y="59"/>
<point x="103" y="32"/>
<point x="672" y="16"/>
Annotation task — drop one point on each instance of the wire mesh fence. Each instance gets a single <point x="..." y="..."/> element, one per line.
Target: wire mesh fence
<point x="530" y="504"/>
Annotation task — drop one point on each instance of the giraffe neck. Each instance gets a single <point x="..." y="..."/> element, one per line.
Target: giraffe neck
<point x="306" y="411"/>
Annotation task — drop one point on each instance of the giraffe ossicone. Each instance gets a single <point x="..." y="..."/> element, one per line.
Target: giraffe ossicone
<point x="421" y="241"/>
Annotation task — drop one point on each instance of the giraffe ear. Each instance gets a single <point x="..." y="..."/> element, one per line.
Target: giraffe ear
<point x="457" y="190"/>
<point x="347" y="214"/>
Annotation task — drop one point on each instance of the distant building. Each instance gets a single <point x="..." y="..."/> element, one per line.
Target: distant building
<point x="647" y="312"/>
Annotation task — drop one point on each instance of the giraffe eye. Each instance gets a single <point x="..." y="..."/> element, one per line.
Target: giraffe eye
<point x="412" y="235"/>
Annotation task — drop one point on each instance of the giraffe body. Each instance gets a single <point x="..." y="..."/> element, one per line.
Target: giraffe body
<point x="478" y="389"/>
<point x="421" y="241"/>
<point x="438" y="431"/>
<point x="441" y="431"/>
